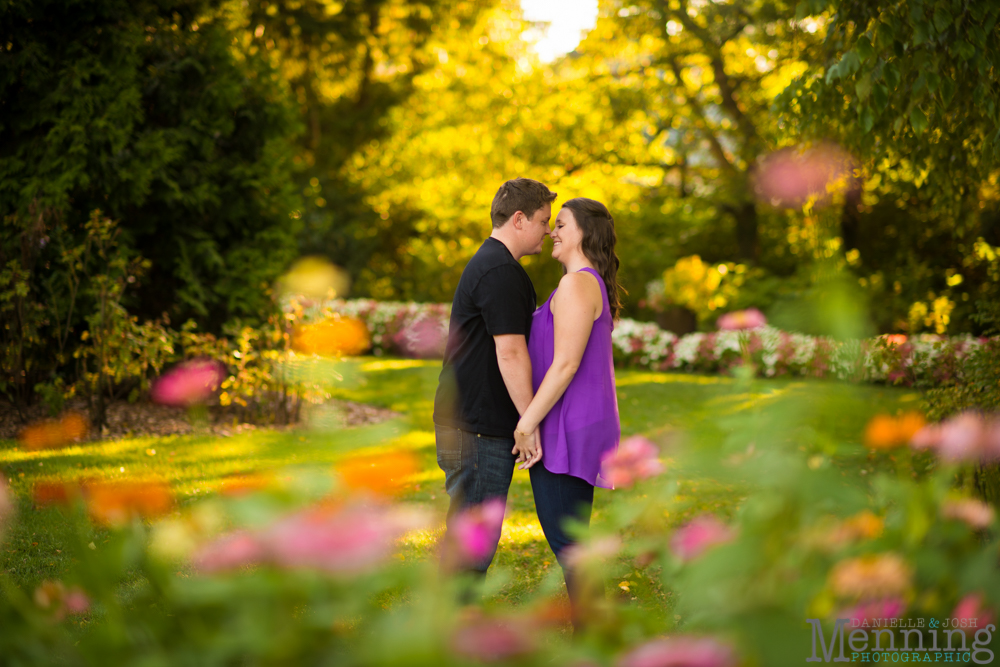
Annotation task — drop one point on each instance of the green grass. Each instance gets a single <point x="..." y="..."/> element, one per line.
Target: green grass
<point x="664" y="406"/>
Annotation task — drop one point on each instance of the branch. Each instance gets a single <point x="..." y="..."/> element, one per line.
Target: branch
<point x="717" y="150"/>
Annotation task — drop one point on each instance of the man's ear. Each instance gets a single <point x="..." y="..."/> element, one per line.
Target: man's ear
<point x="519" y="220"/>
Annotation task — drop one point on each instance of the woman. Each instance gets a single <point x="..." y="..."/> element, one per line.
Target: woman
<point x="575" y="408"/>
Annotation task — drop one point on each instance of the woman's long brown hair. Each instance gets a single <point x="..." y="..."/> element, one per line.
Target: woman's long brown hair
<point x="599" y="239"/>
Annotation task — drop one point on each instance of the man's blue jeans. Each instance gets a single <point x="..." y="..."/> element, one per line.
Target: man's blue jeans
<point x="476" y="468"/>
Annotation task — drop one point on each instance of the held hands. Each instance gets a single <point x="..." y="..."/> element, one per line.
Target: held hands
<point x="527" y="447"/>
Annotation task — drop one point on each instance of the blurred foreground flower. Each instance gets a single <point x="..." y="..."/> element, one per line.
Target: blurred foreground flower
<point x="872" y="609"/>
<point x="380" y="473"/>
<point x="493" y="639"/>
<point x="241" y="485"/>
<point x="742" y="319"/>
<point x="474" y="531"/>
<point x="344" y="540"/>
<point x="189" y="383"/>
<point x="968" y="437"/>
<point x="109" y="503"/>
<point x="592" y="554"/>
<point x="973" y="607"/>
<point x="792" y="176"/>
<point x="680" y="652"/>
<point x="886" y="432"/>
<point x="975" y="513"/>
<point x="71" y="427"/>
<point x="316" y="278"/>
<point x="871" y="577"/>
<point x="54" y="597"/>
<point x="118" y="503"/>
<point x="6" y="504"/>
<point x="696" y="537"/>
<point x="425" y="338"/>
<point x="333" y="337"/>
<point x="635" y="459"/>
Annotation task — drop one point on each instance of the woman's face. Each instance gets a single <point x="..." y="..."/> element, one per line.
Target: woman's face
<point x="566" y="235"/>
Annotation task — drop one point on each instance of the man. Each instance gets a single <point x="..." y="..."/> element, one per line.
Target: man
<point x="485" y="384"/>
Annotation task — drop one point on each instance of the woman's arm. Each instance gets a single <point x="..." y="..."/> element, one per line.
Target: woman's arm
<point x="574" y="308"/>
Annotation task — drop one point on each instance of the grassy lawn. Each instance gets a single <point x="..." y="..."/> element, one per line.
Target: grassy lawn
<point x="665" y="406"/>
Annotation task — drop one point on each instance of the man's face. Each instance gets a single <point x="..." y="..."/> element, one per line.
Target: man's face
<point x="536" y="229"/>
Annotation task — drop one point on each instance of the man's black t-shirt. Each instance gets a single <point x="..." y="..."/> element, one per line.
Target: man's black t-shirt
<point x="494" y="297"/>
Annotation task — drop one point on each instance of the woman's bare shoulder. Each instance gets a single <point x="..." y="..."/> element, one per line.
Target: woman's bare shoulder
<point x="580" y="286"/>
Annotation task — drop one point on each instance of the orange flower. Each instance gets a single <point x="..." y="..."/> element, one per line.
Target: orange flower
<point x="381" y="473"/>
<point x="72" y="427"/>
<point x="869" y="577"/>
<point x="117" y="503"/>
<point x="885" y="432"/>
<point x="863" y="525"/>
<point x="332" y="337"/>
<point x="55" y="493"/>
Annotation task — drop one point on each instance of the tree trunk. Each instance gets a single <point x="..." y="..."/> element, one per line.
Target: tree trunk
<point x="746" y="230"/>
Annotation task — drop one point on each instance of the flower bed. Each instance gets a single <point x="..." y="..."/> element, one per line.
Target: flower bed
<point x="414" y="329"/>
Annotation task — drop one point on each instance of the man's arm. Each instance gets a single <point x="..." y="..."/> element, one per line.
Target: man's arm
<point x="515" y="367"/>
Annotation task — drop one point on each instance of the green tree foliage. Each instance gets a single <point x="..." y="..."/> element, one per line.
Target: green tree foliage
<point x="912" y="89"/>
<point x="148" y="112"/>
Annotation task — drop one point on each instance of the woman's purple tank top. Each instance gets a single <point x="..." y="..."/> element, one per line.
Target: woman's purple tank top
<point x="583" y="424"/>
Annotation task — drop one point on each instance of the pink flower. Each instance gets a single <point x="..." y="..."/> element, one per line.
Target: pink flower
<point x="790" y="176"/>
<point x="635" y="459"/>
<point x="189" y="383"/>
<point x="976" y="513"/>
<point x="966" y="437"/>
<point x="229" y="552"/>
<point x="493" y="639"/>
<point x="76" y="601"/>
<point x="887" y="608"/>
<point x="698" y="536"/>
<point x="742" y="319"/>
<point x="680" y="652"/>
<point x="424" y="338"/>
<point x="593" y="552"/>
<point x="477" y="530"/>
<point x="339" y="541"/>
<point x="972" y="606"/>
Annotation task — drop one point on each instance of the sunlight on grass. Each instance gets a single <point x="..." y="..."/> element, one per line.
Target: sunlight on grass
<point x="399" y="364"/>
<point x="646" y="377"/>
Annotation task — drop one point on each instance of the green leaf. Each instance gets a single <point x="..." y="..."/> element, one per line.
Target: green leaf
<point x="965" y="50"/>
<point x="864" y="48"/>
<point x="942" y="19"/>
<point x="850" y="62"/>
<point x="918" y="120"/>
<point x="920" y="33"/>
<point x="933" y="81"/>
<point x="880" y="96"/>
<point x="864" y="86"/>
<point x="947" y="90"/>
<point x="891" y="74"/>
<point x="867" y="119"/>
<point x="886" y="35"/>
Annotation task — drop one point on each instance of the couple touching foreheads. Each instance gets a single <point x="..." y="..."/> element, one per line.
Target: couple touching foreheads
<point x="526" y="386"/>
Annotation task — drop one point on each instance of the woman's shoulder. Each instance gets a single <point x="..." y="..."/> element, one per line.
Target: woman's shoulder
<point x="579" y="286"/>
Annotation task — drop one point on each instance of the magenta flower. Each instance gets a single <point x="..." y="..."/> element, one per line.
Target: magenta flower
<point x="189" y="383"/>
<point x="973" y="606"/>
<point x="750" y="318"/>
<point x="635" y="459"/>
<point x="477" y="530"/>
<point x="871" y="609"/>
<point x="338" y="541"/>
<point x="696" y="537"/>
<point x="424" y="338"/>
<point x="680" y="652"/>
<point x="966" y="437"/>
<point x="493" y="639"/>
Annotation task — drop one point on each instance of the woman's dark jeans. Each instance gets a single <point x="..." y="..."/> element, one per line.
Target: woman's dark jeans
<point x="559" y="498"/>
